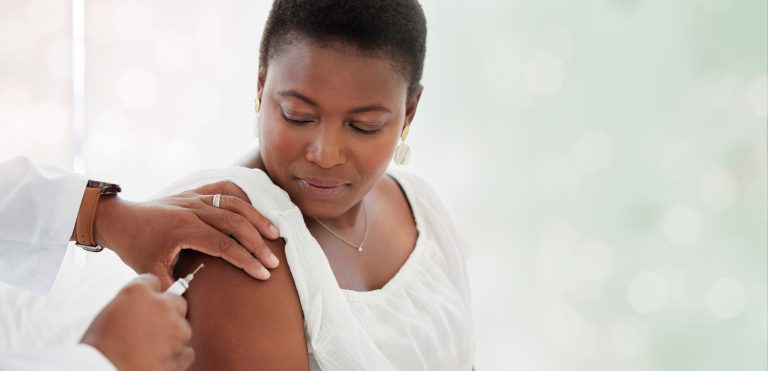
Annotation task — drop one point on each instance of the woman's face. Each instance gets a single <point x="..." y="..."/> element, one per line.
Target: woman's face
<point x="329" y="122"/>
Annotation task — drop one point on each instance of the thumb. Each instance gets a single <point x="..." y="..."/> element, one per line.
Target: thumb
<point x="165" y="277"/>
<point x="150" y="280"/>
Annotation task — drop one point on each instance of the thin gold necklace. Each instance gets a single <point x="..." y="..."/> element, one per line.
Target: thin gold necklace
<point x="359" y="246"/>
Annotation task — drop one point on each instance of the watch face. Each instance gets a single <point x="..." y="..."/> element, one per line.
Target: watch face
<point x="104" y="187"/>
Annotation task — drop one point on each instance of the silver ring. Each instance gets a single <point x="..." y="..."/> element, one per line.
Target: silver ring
<point x="216" y="200"/>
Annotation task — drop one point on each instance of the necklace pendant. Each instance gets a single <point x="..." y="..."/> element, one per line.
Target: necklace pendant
<point x="359" y="247"/>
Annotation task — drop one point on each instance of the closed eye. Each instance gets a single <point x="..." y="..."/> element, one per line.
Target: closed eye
<point x="295" y="121"/>
<point x="364" y="130"/>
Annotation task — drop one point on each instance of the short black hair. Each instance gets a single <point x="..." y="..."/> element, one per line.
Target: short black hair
<point x="396" y="28"/>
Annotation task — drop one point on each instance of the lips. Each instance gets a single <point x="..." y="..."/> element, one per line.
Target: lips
<point x="323" y="183"/>
<point x="322" y="188"/>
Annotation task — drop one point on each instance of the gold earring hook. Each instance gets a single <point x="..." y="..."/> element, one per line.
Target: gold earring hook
<point x="404" y="133"/>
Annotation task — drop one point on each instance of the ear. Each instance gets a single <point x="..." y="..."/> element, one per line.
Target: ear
<point x="260" y="81"/>
<point x="411" y="104"/>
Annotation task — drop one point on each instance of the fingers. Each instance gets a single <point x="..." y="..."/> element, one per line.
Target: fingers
<point x="225" y="188"/>
<point x="165" y="277"/>
<point x="236" y="225"/>
<point x="212" y="242"/>
<point x="178" y="302"/>
<point x="232" y="231"/>
<point x="239" y="206"/>
<point x="240" y="203"/>
<point x="185" y="354"/>
<point x="185" y="358"/>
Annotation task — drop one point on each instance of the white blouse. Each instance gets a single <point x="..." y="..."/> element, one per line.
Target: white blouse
<point x="419" y="320"/>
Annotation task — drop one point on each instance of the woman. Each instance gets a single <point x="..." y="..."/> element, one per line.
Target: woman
<point x="338" y="88"/>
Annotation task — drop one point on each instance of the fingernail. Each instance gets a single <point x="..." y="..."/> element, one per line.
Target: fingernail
<point x="257" y="271"/>
<point x="273" y="261"/>
<point x="275" y="232"/>
<point x="263" y="273"/>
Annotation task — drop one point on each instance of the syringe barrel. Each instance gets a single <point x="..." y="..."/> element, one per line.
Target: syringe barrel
<point x="178" y="287"/>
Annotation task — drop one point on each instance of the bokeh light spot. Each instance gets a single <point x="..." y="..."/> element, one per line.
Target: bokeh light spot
<point x="558" y="175"/>
<point x="592" y="261"/>
<point x="559" y="323"/>
<point x="628" y="338"/>
<point x="59" y="59"/>
<point x="718" y="188"/>
<point x="557" y="39"/>
<point x="48" y="123"/>
<point x="544" y="73"/>
<point x="46" y="16"/>
<point x="136" y="88"/>
<point x="17" y="41"/>
<point x="647" y="292"/>
<point x="677" y="158"/>
<point x="172" y="50"/>
<point x="682" y="225"/>
<point x="200" y="104"/>
<point x="593" y="151"/>
<point x="584" y="347"/>
<point x="132" y="21"/>
<point x="726" y="298"/>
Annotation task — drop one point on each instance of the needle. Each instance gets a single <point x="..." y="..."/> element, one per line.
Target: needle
<point x="181" y="284"/>
<point x="192" y="275"/>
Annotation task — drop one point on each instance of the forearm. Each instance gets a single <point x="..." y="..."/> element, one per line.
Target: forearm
<point x="116" y="225"/>
<point x="148" y="236"/>
<point x="112" y="221"/>
<point x="106" y="220"/>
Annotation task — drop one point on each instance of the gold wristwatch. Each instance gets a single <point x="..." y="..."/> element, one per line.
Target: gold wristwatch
<point x="86" y="216"/>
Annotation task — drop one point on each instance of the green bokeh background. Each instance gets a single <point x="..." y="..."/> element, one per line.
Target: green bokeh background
<point x="644" y="129"/>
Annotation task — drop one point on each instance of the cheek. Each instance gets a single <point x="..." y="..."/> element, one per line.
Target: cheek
<point x="276" y="145"/>
<point x="376" y="155"/>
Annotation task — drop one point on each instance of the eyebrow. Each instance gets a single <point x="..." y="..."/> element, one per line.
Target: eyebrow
<point x="305" y="99"/>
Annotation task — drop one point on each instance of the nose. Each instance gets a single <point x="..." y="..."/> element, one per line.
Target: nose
<point x="327" y="150"/>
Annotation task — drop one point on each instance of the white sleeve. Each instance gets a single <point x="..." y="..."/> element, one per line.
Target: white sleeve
<point x="38" y="210"/>
<point x="64" y="358"/>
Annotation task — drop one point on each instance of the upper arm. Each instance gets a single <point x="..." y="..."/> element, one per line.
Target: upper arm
<point x="241" y="323"/>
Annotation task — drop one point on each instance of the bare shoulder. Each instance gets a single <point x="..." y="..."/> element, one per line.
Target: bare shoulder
<point x="395" y="207"/>
<point x="240" y="323"/>
<point x="390" y="189"/>
<point x="390" y="194"/>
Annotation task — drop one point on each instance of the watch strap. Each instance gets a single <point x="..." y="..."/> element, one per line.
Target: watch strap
<point x="85" y="219"/>
<point x="104" y="187"/>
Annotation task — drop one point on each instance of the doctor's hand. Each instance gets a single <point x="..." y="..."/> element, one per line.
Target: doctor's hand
<point x="148" y="236"/>
<point x="143" y="328"/>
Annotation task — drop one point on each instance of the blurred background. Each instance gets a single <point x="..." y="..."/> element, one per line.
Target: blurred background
<point x="606" y="159"/>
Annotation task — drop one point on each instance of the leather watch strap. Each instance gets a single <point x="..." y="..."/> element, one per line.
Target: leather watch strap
<point x="85" y="219"/>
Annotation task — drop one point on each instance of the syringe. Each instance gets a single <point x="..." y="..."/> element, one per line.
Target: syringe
<point x="181" y="284"/>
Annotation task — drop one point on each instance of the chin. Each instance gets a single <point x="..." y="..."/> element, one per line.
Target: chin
<point x="320" y="210"/>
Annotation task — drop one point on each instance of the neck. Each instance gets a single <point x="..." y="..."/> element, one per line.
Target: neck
<point x="350" y="219"/>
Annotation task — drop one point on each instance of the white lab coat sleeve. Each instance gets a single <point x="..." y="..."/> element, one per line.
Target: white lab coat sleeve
<point x="78" y="357"/>
<point x="38" y="210"/>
